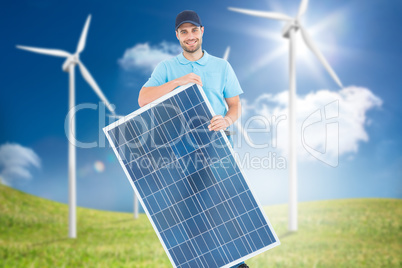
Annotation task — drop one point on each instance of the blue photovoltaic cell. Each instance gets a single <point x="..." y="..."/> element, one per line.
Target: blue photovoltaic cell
<point x="189" y="182"/>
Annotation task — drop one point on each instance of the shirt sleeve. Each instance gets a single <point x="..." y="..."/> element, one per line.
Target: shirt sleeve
<point x="232" y="85"/>
<point x="158" y="76"/>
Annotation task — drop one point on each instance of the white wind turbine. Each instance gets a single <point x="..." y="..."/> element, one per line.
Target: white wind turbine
<point x="291" y="27"/>
<point x="68" y="66"/>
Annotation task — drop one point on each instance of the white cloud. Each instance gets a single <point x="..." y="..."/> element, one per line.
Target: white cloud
<point x="15" y="161"/>
<point x="331" y="123"/>
<point x="146" y="57"/>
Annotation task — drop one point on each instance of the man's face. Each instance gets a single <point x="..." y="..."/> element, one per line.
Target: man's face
<point x="190" y="37"/>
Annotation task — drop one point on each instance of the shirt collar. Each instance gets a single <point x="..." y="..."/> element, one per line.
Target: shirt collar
<point x="201" y="61"/>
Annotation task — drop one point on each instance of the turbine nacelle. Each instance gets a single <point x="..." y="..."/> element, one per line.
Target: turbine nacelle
<point x="294" y="24"/>
<point x="73" y="59"/>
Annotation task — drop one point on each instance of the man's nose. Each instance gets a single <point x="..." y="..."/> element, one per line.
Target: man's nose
<point x="190" y="35"/>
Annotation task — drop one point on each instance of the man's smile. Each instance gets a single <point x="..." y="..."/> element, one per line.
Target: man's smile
<point x="191" y="42"/>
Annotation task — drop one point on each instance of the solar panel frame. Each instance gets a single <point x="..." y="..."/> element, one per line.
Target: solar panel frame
<point x="164" y="219"/>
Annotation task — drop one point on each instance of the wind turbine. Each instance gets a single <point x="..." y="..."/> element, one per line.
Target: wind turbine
<point x="289" y="31"/>
<point x="68" y="66"/>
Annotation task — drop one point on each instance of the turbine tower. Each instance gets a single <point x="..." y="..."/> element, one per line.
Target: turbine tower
<point x="68" y="66"/>
<point x="289" y="31"/>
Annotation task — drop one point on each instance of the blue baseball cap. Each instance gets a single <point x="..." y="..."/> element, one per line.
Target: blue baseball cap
<point x="188" y="16"/>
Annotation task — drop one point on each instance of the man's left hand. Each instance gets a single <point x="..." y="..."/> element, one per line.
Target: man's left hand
<point x="218" y="122"/>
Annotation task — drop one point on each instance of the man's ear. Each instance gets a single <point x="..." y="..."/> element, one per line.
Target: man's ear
<point x="177" y="35"/>
<point x="202" y="30"/>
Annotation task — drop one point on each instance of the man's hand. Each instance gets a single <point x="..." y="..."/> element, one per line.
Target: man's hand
<point x="189" y="78"/>
<point x="218" y="122"/>
<point x="149" y="94"/>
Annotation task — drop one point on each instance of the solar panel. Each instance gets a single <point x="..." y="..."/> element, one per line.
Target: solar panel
<point x="189" y="183"/>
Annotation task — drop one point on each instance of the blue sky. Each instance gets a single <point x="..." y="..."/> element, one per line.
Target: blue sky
<point x="361" y="40"/>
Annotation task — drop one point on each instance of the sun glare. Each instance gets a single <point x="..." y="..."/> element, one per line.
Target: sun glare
<point x="304" y="56"/>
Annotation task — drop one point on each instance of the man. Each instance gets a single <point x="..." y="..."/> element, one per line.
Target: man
<point x="195" y="65"/>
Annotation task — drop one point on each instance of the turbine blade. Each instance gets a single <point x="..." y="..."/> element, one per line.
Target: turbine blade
<point x="315" y="50"/>
<point x="88" y="77"/>
<point x="226" y="56"/>
<point x="302" y="8"/>
<point x="263" y="14"/>
<point x="115" y="116"/>
<point x="47" y="51"/>
<point x="83" y="38"/>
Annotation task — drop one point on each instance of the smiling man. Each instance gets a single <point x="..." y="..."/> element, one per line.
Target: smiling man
<point x="195" y="65"/>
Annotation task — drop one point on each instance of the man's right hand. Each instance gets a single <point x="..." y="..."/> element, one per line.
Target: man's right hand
<point x="149" y="94"/>
<point x="189" y="78"/>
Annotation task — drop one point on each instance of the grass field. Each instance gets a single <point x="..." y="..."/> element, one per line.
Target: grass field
<point x="338" y="233"/>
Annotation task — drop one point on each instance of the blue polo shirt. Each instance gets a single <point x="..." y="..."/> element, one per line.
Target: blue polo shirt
<point x="217" y="76"/>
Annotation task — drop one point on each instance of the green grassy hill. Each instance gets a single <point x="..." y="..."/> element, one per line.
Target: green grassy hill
<point x="338" y="233"/>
